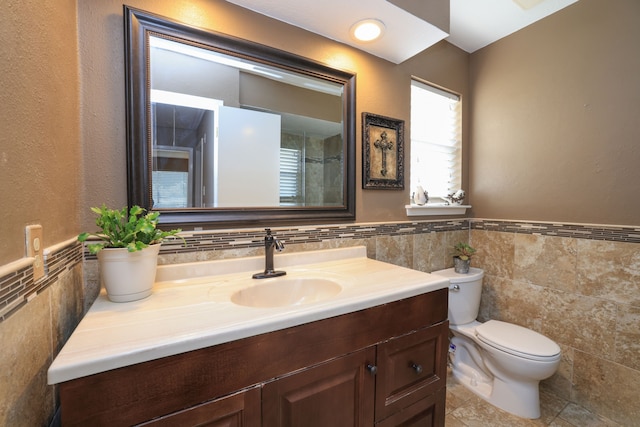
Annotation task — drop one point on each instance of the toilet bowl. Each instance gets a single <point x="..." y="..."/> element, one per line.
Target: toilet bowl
<point x="501" y="362"/>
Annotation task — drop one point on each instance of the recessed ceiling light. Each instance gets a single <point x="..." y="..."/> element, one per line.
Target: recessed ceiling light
<point x="367" y="30"/>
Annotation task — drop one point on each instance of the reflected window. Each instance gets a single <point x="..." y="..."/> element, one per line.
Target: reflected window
<point x="172" y="170"/>
<point x="291" y="175"/>
<point x="170" y="189"/>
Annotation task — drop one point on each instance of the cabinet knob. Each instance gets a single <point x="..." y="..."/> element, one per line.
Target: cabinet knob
<point x="373" y="369"/>
<point x="417" y="368"/>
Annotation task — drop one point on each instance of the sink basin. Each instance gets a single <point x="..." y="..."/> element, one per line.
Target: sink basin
<point x="284" y="291"/>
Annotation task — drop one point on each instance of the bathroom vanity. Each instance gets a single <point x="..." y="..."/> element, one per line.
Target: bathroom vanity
<point x="374" y="353"/>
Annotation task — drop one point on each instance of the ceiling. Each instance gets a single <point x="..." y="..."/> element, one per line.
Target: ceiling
<point x="473" y="24"/>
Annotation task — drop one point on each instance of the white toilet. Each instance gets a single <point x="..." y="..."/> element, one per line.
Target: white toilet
<point x="501" y="362"/>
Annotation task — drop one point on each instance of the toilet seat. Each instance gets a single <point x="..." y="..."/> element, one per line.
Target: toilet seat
<point x="517" y="340"/>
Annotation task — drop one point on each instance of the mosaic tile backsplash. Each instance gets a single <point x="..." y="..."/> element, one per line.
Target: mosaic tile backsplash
<point x="17" y="287"/>
<point x="578" y="231"/>
<point x="254" y="238"/>
<point x="419" y="245"/>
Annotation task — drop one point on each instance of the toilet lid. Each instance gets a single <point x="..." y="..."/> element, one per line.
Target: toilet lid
<point x="517" y="340"/>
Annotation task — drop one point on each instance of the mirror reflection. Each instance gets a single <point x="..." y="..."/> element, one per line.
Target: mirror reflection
<point x="232" y="132"/>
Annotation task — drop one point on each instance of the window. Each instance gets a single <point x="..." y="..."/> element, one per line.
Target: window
<point x="290" y="176"/>
<point x="436" y="149"/>
<point x="170" y="189"/>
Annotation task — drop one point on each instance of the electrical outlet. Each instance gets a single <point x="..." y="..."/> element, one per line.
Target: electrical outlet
<point x="35" y="249"/>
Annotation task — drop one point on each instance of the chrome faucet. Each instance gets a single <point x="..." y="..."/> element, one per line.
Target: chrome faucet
<point x="270" y="244"/>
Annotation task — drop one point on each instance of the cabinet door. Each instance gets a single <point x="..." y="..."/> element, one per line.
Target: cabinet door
<point x="238" y="410"/>
<point x="338" y="393"/>
<point x="410" y="368"/>
<point x="428" y="412"/>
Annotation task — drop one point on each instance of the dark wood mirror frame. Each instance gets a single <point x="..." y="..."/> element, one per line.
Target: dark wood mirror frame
<point x="138" y="26"/>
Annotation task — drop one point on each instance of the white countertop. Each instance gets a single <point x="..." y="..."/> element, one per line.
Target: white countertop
<point x="190" y="307"/>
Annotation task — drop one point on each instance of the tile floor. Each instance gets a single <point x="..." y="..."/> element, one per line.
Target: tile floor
<point x="465" y="409"/>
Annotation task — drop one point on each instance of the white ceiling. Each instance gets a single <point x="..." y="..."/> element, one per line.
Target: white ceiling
<point x="474" y="24"/>
<point x="478" y="23"/>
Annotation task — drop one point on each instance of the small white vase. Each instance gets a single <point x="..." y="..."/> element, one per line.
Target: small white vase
<point x="420" y="197"/>
<point x="461" y="265"/>
<point x="128" y="276"/>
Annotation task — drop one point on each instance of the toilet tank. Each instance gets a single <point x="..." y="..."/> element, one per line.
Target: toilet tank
<point x="464" y="294"/>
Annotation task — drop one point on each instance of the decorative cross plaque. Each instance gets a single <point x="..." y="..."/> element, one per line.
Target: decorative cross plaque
<point x="383" y="144"/>
<point x="382" y="152"/>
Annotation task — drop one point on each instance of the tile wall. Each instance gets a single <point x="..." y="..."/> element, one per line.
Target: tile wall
<point x="36" y="319"/>
<point x="580" y="286"/>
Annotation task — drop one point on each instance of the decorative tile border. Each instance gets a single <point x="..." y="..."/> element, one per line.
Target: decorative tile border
<point x="18" y="287"/>
<point x="59" y="261"/>
<point x="578" y="231"/>
<point x="214" y="240"/>
<point x="14" y="289"/>
<point x="249" y="238"/>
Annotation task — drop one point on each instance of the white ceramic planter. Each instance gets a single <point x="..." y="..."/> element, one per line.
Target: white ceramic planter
<point x="128" y="276"/>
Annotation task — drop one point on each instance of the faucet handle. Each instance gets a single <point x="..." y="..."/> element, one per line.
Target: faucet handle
<point x="279" y="245"/>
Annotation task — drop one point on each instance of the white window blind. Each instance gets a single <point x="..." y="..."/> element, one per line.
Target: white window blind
<point x="290" y="175"/>
<point x="436" y="148"/>
<point x="170" y="189"/>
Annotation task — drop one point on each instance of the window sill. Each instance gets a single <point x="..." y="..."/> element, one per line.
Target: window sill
<point x="436" y="209"/>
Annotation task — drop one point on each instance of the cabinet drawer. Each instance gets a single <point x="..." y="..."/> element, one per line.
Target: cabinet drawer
<point x="410" y="368"/>
<point x="428" y="412"/>
<point x="238" y="410"/>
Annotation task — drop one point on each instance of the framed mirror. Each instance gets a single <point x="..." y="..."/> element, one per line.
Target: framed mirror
<point x="223" y="131"/>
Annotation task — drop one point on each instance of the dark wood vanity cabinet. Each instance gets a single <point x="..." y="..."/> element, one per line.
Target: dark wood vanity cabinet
<point x="383" y="366"/>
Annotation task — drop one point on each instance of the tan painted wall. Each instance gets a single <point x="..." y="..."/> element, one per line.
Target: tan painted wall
<point x="556" y="108"/>
<point x="39" y="123"/>
<point x="382" y="88"/>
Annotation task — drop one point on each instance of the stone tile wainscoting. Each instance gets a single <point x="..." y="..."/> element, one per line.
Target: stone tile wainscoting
<point x="36" y="319"/>
<point x="580" y="286"/>
<point x="595" y="318"/>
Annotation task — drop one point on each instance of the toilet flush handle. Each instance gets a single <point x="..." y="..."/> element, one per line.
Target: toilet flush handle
<point x="454" y="288"/>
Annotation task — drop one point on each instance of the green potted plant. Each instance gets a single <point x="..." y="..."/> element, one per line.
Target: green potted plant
<point x="127" y="250"/>
<point x="462" y="257"/>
